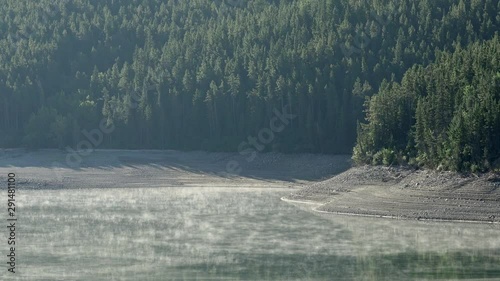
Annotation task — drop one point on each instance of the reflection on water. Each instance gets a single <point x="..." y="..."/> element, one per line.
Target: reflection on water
<point x="234" y="234"/>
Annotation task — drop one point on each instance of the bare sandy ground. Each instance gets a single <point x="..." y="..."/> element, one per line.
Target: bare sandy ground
<point x="327" y="182"/>
<point x="406" y="194"/>
<point x="55" y="169"/>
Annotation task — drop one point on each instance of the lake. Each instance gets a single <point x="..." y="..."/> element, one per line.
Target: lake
<point x="197" y="233"/>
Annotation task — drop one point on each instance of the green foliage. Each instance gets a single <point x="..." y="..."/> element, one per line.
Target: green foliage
<point x="43" y="128"/>
<point x="385" y="157"/>
<point x="207" y="74"/>
<point x="455" y="123"/>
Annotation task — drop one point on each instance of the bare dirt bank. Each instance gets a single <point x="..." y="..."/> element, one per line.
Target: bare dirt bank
<point x="55" y="169"/>
<point x="406" y="194"/>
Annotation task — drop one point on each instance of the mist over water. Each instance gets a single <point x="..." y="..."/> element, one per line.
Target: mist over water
<point x="197" y="233"/>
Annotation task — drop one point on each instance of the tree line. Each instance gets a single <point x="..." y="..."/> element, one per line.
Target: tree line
<point x="445" y="115"/>
<point x="203" y="74"/>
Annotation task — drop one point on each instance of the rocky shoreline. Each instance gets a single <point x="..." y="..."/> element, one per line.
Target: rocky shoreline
<point x="404" y="193"/>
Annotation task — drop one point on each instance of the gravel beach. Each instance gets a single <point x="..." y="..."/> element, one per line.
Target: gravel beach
<point x="405" y="193"/>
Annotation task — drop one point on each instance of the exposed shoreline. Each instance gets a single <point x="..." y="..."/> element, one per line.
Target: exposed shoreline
<point x="382" y="216"/>
<point x="326" y="181"/>
<point x="402" y="193"/>
<point x="49" y="169"/>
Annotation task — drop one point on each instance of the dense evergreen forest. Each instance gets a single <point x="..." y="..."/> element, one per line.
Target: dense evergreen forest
<point x="414" y="81"/>
<point x="445" y="115"/>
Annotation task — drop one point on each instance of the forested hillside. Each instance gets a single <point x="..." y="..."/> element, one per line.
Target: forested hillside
<point x="444" y="115"/>
<point x="203" y="74"/>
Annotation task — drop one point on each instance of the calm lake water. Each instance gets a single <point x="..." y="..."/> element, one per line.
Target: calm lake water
<point x="233" y="234"/>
